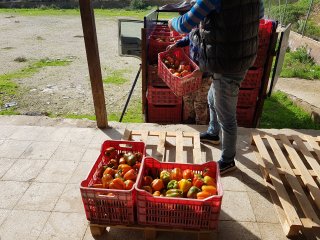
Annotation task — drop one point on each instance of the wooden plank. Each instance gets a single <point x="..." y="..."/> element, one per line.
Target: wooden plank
<point x="294" y="183"/>
<point x="144" y="136"/>
<point x="287" y="229"/>
<point x="127" y="135"/>
<point x="150" y="234"/>
<point x="292" y="216"/>
<point x="297" y="172"/>
<point x="308" y="155"/>
<point x="196" y="149"/>
<point x="299" y="165"/>
<point x="97" y="230"/>
<point x="179" y="147"/>
<point x="159" y="228"/>
<point x="161" y="146"/>
<point x="93" y="59"/>
<point x="313" y="144"/>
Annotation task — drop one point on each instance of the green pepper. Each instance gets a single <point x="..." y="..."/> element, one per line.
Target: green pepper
<point x="173" y="184"/>
<point x="192" y="193"/>
<point x="174" y="193"/>
<point x="165" y="177"/>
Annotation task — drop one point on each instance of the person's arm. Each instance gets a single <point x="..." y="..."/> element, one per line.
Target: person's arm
<point x="184" y="23"/>
<point x="180" y="43"/>
<point x="261" y="9"/>
<point x="184" y="42"/>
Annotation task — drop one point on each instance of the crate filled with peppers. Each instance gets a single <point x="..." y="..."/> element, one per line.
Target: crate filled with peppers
<point x="185" y="196"/>
<point x="108" y="193"/>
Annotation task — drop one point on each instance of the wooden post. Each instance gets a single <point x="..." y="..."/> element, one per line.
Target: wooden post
<point x="91" y="43"/>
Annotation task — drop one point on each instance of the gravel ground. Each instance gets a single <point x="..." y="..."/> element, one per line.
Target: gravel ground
<point x="65" y="89"/>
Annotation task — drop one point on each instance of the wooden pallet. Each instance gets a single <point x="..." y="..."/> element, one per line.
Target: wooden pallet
<point x="291" y="167"/>
<point x="150" y="233"/>
<point x="161" y="143"/>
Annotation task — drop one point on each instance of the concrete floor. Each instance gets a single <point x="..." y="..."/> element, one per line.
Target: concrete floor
<point x="43" y="161"/>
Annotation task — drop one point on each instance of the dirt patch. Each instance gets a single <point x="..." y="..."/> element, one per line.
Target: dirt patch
<point x="63" y="89"/>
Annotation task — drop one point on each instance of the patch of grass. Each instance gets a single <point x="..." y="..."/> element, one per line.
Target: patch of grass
<point x="8" y="88"/>
<point x="116" y="77"/>
<point x="280" y="112"/>
<point x="9" y="111"/>
<point x="110" y="13"/>
<point x="76" y="116"/>
<point x="300" y="64"/>
<point x="132" y="115"/>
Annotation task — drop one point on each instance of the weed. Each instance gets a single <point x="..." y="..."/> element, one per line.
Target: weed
<point x="300" y="64"/>
<point x="20" y="59"/>
<point x="138" y="4"/>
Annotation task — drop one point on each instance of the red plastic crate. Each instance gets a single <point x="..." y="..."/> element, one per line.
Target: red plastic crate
<point x="265" y="30"/>
<point x="164" y="113"/>
<point x="181" y="86"/>
<point x="245" y="116"/>
<point x="175" y="34"/>
<point x="252" y="78"/>
<point x="182" y="213"/>
<point x="159" y="33"/>
<point x="162" y="96"/>
<point x="118" y="208"/>
<point x="155" y="46"/>
<point x="153" y="78"/>
<point x="248" y="97"/>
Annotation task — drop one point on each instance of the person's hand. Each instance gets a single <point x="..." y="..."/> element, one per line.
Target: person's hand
<point x="171" y="47"/>
<point x="170" y="25"/>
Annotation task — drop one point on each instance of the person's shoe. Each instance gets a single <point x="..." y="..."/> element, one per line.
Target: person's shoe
<point x="206" y="137"/>
<point x="226" y="167"/>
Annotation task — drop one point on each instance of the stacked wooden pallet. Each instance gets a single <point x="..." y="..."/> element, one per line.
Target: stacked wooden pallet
<point x="291" y="167"/>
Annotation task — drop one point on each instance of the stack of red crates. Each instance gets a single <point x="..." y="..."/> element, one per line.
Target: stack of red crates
<point x="163" y="105"/>
<point x="250" y="87"/>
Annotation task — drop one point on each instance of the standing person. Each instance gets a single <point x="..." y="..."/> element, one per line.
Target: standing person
<point x="195" y="107"/>
<point x="229" y="43"/>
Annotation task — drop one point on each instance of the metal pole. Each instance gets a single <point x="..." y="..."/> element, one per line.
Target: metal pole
<point x="269" y="9"/>
<point x="280" y="12"/>
<point x="284" y="13"/>
<point x="308" y="14"/>
<point x="131" y="91"/>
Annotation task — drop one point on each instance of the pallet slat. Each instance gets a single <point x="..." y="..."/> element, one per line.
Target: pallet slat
<point x="161" y="146"/>
<point x="179" y="148"/>
<point x="315" y="146"/>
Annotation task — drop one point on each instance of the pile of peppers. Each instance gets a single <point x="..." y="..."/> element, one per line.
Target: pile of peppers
<point x="119" y="170"/>
<point x="181" y="183"/>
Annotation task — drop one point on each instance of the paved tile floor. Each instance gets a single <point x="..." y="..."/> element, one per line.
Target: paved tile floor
<point x="42" y="162"/>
